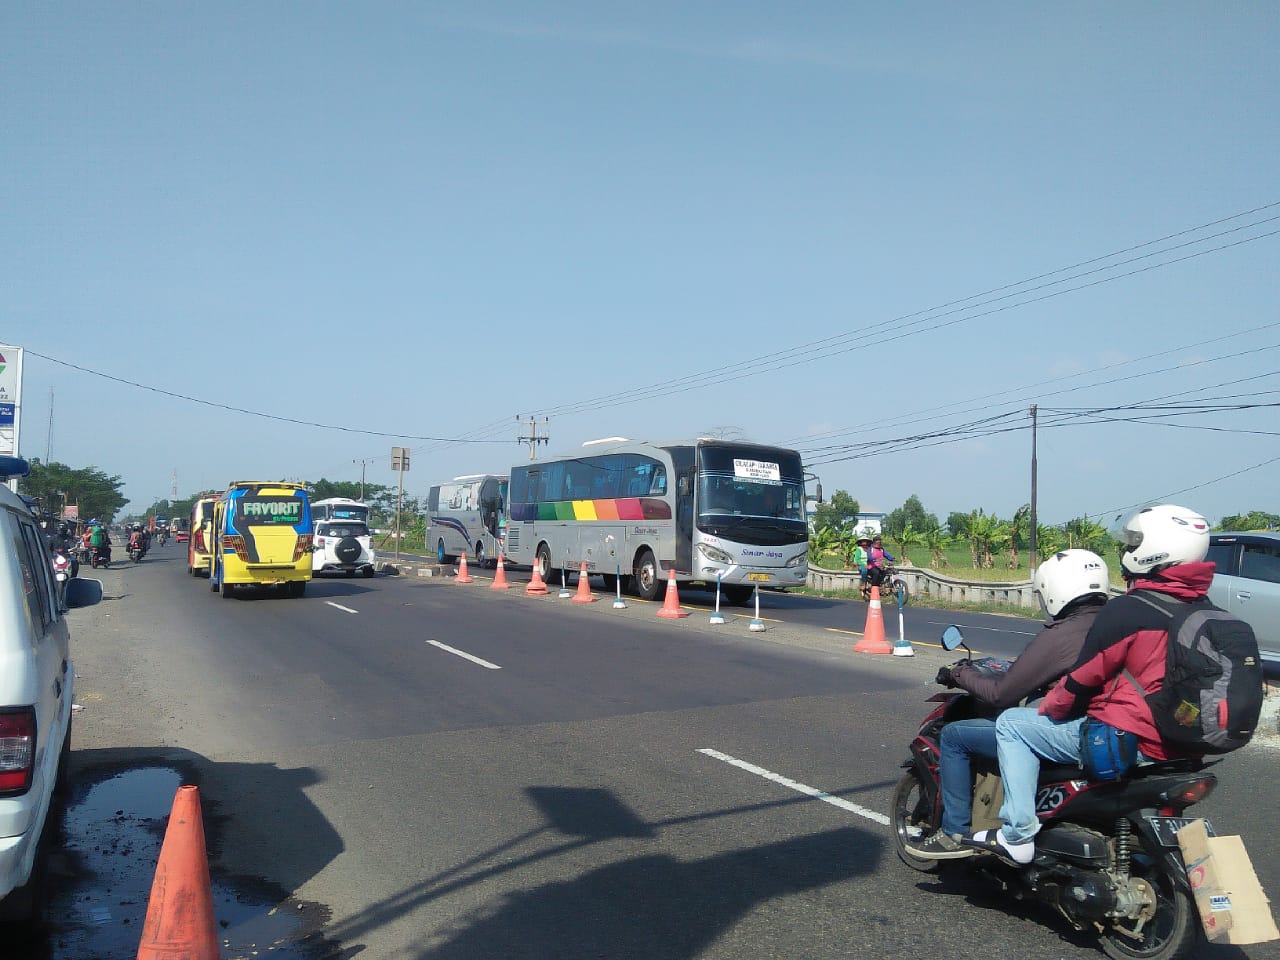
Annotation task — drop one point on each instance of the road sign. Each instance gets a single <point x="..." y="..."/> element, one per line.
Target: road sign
<point x="400" y="459"/>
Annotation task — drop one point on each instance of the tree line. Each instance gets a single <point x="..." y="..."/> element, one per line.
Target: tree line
<point x="987" y="538"/>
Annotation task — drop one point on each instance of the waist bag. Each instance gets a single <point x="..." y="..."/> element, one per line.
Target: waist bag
<point x="1105" y="752"/>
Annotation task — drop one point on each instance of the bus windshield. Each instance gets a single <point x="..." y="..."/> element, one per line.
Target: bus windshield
<point x="738" y="494"/>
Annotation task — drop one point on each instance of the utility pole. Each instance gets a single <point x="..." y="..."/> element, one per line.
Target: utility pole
<point x="48" y="438"/>
<point x="1031" y="564"/>
<point x="173" y="487"/>
<point x="362" y="463"/>
<point x="533" y="439"/>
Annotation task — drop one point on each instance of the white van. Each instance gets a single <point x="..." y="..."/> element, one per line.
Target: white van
<point x="37" y="680"/>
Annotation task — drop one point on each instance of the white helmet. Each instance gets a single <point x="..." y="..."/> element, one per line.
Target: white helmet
<point x="1069" y="575"/>
<point x="1159" y="537"/>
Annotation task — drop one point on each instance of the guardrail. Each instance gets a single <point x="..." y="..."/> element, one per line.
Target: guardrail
<point x="924" y="582"/>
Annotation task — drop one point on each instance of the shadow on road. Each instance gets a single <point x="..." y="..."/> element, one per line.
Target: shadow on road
<point x="655" y="907"/>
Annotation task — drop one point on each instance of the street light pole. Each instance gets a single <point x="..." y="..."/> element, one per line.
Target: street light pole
<point x="1031" y="563"/>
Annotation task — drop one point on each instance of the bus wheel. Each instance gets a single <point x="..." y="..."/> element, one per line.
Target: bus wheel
<point x="645" y="580"/>
<point x="479" y="554"/>
<point x="441" y="556"/>
<point x="550" y="575"/>
<point x="737" y="594"/>
<point x="227" y="591"/>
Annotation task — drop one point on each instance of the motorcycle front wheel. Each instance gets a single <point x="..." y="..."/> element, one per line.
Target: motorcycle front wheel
<point x="912" y="812"/>
<point x="1168" y="932"/>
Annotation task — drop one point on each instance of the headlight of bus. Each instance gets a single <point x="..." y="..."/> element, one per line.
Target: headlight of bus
<point x="798" y="559"/>
<point x="714" y="554"/>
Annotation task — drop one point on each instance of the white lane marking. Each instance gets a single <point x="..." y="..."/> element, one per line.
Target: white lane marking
<point x="465" y="656"/>
<point x="777" y="778"/>
<point x="341" y="607"/>
<point x="968" y="626"/>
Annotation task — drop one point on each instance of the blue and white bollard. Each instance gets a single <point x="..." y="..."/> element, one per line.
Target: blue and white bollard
<point x="757" y="625"/>
<point x="901" y="646"/>
<point x="618" y="603"/>
<point x="716" y="616"/>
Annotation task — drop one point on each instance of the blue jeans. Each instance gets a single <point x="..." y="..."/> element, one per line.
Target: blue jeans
<point x="960" y="741"/>
<point x="1024" y="737"/>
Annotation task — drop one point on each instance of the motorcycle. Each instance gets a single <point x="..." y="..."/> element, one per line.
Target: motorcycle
<point x="137" y="550"/>
<point x="62" y="574"/>
<point x="101" y="557"/>
<point x="1107" y="856"/>
<point x="892" y="588"/>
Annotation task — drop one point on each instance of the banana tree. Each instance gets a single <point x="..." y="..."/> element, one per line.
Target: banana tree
<point x="936" y="541"/>
<point x="821" y="543"/>
<point x="1019" y="530"/>
<point x="910" y="537"/>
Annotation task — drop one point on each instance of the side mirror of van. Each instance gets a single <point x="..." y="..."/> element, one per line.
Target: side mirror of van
<point x="82" y="592"/>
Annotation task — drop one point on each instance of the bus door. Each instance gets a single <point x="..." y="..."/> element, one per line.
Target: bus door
<point x="684" y="519"/>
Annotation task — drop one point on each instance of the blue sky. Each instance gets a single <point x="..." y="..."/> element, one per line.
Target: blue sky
<point x="660" y="220"/>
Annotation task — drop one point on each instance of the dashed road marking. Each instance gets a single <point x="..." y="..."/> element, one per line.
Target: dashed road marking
<point x="464" y="655"/>
<point x="790" y="784"/>
<point x="341" y="607"/>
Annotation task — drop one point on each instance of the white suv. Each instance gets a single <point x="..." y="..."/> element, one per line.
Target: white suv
<point x="342" y="545"/>
<point x="37" y="679"/>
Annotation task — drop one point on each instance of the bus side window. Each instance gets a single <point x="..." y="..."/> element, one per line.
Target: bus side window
<point x="658" y="486"/>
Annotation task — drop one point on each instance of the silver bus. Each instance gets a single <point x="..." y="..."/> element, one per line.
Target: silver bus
<point x="704" y="508"/>
<point x="467" y="515"/>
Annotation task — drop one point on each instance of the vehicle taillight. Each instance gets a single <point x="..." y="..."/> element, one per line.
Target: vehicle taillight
<point x="17" y="750"/>
<point x="301" y="547"/>
<point x="236" y="543"/>
<point x="1192" y="791"/>
<point x="199" y="541"/>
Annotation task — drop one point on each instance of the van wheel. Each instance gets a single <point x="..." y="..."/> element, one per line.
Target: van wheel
<point x="297" y="588"/>
<point x="62" y="779"/>
<point x="368" y="572"/>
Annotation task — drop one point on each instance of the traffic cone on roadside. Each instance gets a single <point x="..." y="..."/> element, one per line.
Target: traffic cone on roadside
<point x="180" y="923"/>
<point x="463" y="576"/>
<point x="500" y="578"/>
<point x="584" y="594"/>
<point x="671" y="602"/>
<point x="536" y="587"/>
<point x="873" y="638"/>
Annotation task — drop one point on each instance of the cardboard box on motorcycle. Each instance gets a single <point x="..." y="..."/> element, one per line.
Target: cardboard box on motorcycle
<point x="1233" y="908"/>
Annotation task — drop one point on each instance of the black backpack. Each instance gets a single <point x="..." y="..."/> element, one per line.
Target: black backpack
<point x="1212" y="692"/>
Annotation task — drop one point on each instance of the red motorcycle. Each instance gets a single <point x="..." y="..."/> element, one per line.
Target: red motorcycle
<point x="1107" y="858"/>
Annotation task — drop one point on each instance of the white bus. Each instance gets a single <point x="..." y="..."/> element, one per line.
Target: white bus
<point x="704" y="508"/>
<point x="467" y="515"/>
<point x="339" y="508"/>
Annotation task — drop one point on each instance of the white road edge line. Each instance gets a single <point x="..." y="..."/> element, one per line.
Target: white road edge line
<point x="777" y="778"/>
<point x="465" y="656"/>
<point x="341" y="607"/>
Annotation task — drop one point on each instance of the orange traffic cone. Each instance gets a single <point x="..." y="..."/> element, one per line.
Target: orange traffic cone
<point x="536" y="587"/>
<point x="584" y="594"/>
<point x="500" y="579"/>
<point x="873" y="638"/>
<point x="463" y="576"/>
<point x="671" y="603"/>
<point x="180" y="924"/>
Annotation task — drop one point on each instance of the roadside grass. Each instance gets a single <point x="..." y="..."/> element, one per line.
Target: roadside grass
<point x="959" y="565"/>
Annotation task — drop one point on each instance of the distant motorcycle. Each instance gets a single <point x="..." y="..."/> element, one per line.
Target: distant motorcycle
<point x="101" y="557"/>
<point x="62" y="574"/>
<point x="892" y="587"/>
<point x="137" y="549"/>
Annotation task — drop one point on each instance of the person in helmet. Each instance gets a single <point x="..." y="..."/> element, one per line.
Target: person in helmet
<point x="1072" y="586"/>
<point x="1122" y="662"/>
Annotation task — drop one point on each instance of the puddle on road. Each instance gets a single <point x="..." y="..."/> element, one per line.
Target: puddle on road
<point x="102" y="864"/>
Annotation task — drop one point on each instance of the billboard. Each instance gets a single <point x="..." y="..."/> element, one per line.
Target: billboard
<point x="10" y="402"/>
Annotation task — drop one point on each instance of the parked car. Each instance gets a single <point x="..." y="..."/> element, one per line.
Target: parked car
<point x="37" y="681"/>
<point x="342" y="545"/>
<point x="1247" y="583"/>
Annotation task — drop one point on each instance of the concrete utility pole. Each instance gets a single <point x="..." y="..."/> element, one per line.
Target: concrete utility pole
<point x="1031" y="564"/>
<point x="533" y="439"/>
<point x="362" y="463"/>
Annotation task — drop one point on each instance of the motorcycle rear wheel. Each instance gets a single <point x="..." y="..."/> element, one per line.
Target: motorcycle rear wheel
<point x="1171" y="933"/>
<point x="912" y="813"/>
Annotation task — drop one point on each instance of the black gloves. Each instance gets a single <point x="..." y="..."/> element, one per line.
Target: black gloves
<point x="944" y="677"/>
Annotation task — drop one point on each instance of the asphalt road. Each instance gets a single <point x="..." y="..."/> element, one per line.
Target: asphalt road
<point x="430" y="770"/>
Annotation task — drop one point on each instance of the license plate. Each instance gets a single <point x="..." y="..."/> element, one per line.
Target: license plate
<point x="761" y="577"/>
<point x="1166" y="828"/>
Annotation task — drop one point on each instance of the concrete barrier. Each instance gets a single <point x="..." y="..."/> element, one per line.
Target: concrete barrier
<point x="925" y="583"/>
